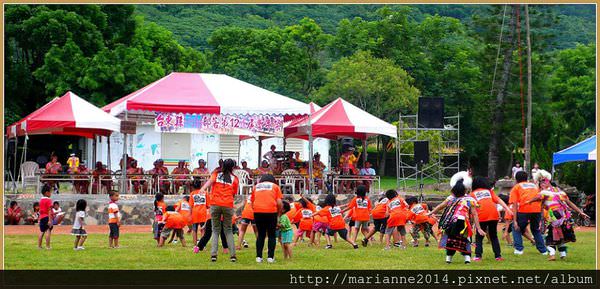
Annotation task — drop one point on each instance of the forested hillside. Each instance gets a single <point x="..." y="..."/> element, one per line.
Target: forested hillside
<point x="380" y="58"/>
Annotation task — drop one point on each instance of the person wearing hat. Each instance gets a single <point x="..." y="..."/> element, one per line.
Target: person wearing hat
<point x="73" y="163"/>
<point x="82" y="186"/>
<point x="181" y="173"/>
<point x="100" y="170"/>
<point x="160" y="170"/>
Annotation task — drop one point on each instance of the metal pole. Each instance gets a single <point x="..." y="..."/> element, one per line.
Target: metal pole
<point x="94" y="145"/>
<point x="15" y="165"/>
<point x="124" y="163"/>
<point x="108" y="153"/>
<point x="310" y="155"/>
<point x="529" y="88"/>
<point x="398" y="165"/>
<point x="365" y="152"/>
<point x="259" y="151"/>
<point x="458" y="137"/>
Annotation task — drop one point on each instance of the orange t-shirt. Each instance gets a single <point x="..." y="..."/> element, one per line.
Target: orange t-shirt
<point x="487" y="200"/>
<point x="113" y="213"/>
<point x="248" y="213"/>
<point x="264" y="197"/>
<point x="361" y="207"/>
<point x="523" y="192"/>
<point x="174" y="220"/>
<point x="199" y="203"/>
<point x="185" y="210"/>
<point x="380" y="209"/>
<point x="291" y="214"/>
<point x="319" y="218"/>
<point x="306" y="217"/>
<point x="398" y="210"/>
<point x="222" y="192"/>
<point x="334" y="215"/>
<point x="350" y="215"/>
<point x="418" y="213"/>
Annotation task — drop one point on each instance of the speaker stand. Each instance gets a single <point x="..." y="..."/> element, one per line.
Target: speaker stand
<point x="421" y="184"/>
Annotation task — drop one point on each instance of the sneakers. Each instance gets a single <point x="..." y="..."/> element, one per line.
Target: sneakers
<point x="426" y="244"/>
<point x="398" y="244"/>
<point x="175" y="241"/>
<point x="259" y="260"/>
<point x="563" y="254"/>
<point x="364" y="242"/>
<point x="213" y="258"/>
<point x="499" y="259"/>
<point x="233" y="259"/>
<point x="244" y="244"/>
<point x="270" y="260"/>
<point x="196" y="249"/>
<point x="467" y="259"/>
<point x="545" y="253"/>
<point x="448" y="259"/>
<point x="328" y="246"/>
<point x="355" y="246"/>
<point x="517" y="252"/>
<point x="477" y="259"/>
<point x="78" y="248"/>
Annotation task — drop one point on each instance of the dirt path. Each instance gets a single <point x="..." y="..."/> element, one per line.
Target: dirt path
<point x="103" y="229"/>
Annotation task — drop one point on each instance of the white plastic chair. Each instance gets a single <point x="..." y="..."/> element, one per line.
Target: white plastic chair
<point x="28" y="174"/>
<point x="243" y="177"/>
<point x="289" y="180"/>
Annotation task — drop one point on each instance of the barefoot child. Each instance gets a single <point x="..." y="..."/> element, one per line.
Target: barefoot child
<point x="286" y="232"/>
<point x="78" y="231"/>
<point x="45" y="216"/>
<point x="114" y="220"/>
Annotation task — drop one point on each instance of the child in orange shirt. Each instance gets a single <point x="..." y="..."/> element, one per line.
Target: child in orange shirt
<point x="336" y="221"/>
<point x="305" y="214"/>
<point x="183" y="208"/>
<point x="114" y="220"/>
<point x="320" y="226"/>
<point x="361" y="205"/>
<point x="379" y="220"/>
<point x="173" y="222"/>
<point x="199" y="204"/>
<point x="247" y="219"/>
<point x="397" y="209"/>
<point x="418" y="217"/>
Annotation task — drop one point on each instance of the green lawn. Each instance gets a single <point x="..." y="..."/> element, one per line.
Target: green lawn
<point x="138" y="251"/>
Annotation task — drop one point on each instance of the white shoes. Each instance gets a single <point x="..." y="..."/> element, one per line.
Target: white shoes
<point x="79" y="248"/>
<point x="546" y="253"/>
<point x="270" y="260"/>
<point x="563" y="255"/>
<point x="517" y="252"/>
<point x="259" y="260"/>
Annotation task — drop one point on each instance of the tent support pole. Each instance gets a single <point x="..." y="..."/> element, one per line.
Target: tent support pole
<point x="15" y="164"/>
<point x="310" y="155"/>
<point x="365" y="152"/>
<point x="259" y="151"/>
<point x="108" y="152"/>
<point x="124" y="163"/>
<point x="94" y="145"/>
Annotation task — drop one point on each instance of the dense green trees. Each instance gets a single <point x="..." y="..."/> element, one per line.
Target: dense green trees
<point x="380" y="58"/>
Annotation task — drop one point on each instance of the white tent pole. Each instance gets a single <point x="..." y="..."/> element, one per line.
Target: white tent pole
<point x="310" y="155"/>
<point x="15" y="165"/>
<point x="124" y="163"/>
<point x="108" y="152"/>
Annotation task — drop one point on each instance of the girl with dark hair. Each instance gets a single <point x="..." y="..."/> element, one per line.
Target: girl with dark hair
<point x="223" y="186"/>
<point x="362" y="212"/>
<point x="160" y="208"/>
<point x="336" y="221"/>
<point x="397" y="209"/>
<point x="78" y="231"/>
<point x="488" y="216"/>
<point x="267" y="205"/>
<point x="457" y="223"/>
<point x="199" y="205"/>
<point x="418" y="216"/>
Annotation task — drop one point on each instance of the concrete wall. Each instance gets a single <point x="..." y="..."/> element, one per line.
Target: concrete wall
<point x="137" y="209"/>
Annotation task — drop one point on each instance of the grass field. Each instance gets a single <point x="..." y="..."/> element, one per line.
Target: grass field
<point x="138" y="251"/>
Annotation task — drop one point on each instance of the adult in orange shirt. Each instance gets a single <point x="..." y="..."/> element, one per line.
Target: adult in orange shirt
<point x="362" y="212"/>
<point x="527" y="213"/>
<point x="223" y="186"/>
<point x="247" y="219"/>
<point x="336" y="221"/>
<point x="487" y="212"/>
<point x="267" y="204"/>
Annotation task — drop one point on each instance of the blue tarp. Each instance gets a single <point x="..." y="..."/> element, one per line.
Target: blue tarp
<point x="583" y="151"/>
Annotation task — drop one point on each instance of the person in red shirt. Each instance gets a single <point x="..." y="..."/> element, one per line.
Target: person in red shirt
<point x="223" y="186"/>
<point x="45" y="216"/>
<point x="101" y="171"/>
<point x="173" y="222"/>
<point x="53" y="167"/>
<point x="336" y="221"/>
<point x="181" y="173"/>
<point x="527" y="213"/>
<point x="135" y="173"/>
<point x="247" y="220"/>
<point x="362" y="212"/>
<point x="487" y="212"/>
<point x="13" y="214"/>
<point x="267" y="205"/>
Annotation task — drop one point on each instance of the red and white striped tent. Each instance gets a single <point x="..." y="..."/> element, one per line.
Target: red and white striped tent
<point x="206" y="93"/>
<point x="340" y="118"/>
<point x="66" y="115"/>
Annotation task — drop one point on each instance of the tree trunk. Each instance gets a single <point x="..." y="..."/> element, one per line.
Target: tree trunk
<point x="383" y="156"/>
<point x="498" y="113"/>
